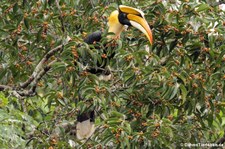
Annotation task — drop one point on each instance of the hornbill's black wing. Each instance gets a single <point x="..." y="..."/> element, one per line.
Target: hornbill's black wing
<point x="94" y="37"/>
<point x="101" y="67"/>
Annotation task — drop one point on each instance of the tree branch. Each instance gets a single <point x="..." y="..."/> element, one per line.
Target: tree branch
<point x="5" y="87"/>
<point x="38" y="73"/>
<point x="40" y="66"/>
<point x="31" y="91"/>
<point x="11" y="90"/>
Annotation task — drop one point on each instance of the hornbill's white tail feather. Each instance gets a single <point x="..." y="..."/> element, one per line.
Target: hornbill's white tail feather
<point x="85" y="129"/>
<point x="85" y="126"/>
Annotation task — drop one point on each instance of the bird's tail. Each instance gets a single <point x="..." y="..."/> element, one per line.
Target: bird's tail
<point x="85" y="125"/>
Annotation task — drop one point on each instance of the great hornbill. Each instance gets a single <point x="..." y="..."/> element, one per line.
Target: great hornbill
<point x="118" y="21"/>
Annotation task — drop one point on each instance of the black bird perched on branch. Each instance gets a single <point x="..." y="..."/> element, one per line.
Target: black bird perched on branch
<point x="118" y="21"/>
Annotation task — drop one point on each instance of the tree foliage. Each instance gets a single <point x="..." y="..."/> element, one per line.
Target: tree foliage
<point x="160" y="96"/>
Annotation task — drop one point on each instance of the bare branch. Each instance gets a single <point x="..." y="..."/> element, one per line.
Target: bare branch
<point x="37" y="74"/>
<point x="4" y="87"/>
<point x="31" y="91"/>
<point x="40" y="75"/>
<point x="40" y="66"/>
<point x="27" y="82"/>
<point x="16" y="94"/>
<point x="11" y="91"/>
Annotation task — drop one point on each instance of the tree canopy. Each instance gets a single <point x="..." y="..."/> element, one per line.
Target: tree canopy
<point x="161" y="96"/>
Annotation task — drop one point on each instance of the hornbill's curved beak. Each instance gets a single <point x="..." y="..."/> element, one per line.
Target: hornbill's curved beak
<point x="128" y="16"/>
<point x="137" y="20"/>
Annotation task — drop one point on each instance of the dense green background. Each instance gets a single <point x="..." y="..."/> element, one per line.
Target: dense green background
<point x="174" y="94"/>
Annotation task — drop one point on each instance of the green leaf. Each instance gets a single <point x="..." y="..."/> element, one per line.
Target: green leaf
<point x="183" y="93"/>
<point x="175" y="89"/>
<point x="26" y="22"/>
<point x="3" y="100"/>
<point x="202" y="7"/>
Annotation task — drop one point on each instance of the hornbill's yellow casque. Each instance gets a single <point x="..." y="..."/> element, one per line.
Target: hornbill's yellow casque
<point x="118" y="21"/>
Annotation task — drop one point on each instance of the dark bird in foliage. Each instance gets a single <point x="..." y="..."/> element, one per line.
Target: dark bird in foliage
<point x="118" y="21"/>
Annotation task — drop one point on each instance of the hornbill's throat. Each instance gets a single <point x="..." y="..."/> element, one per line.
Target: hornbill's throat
<point x="128" y="16"/>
